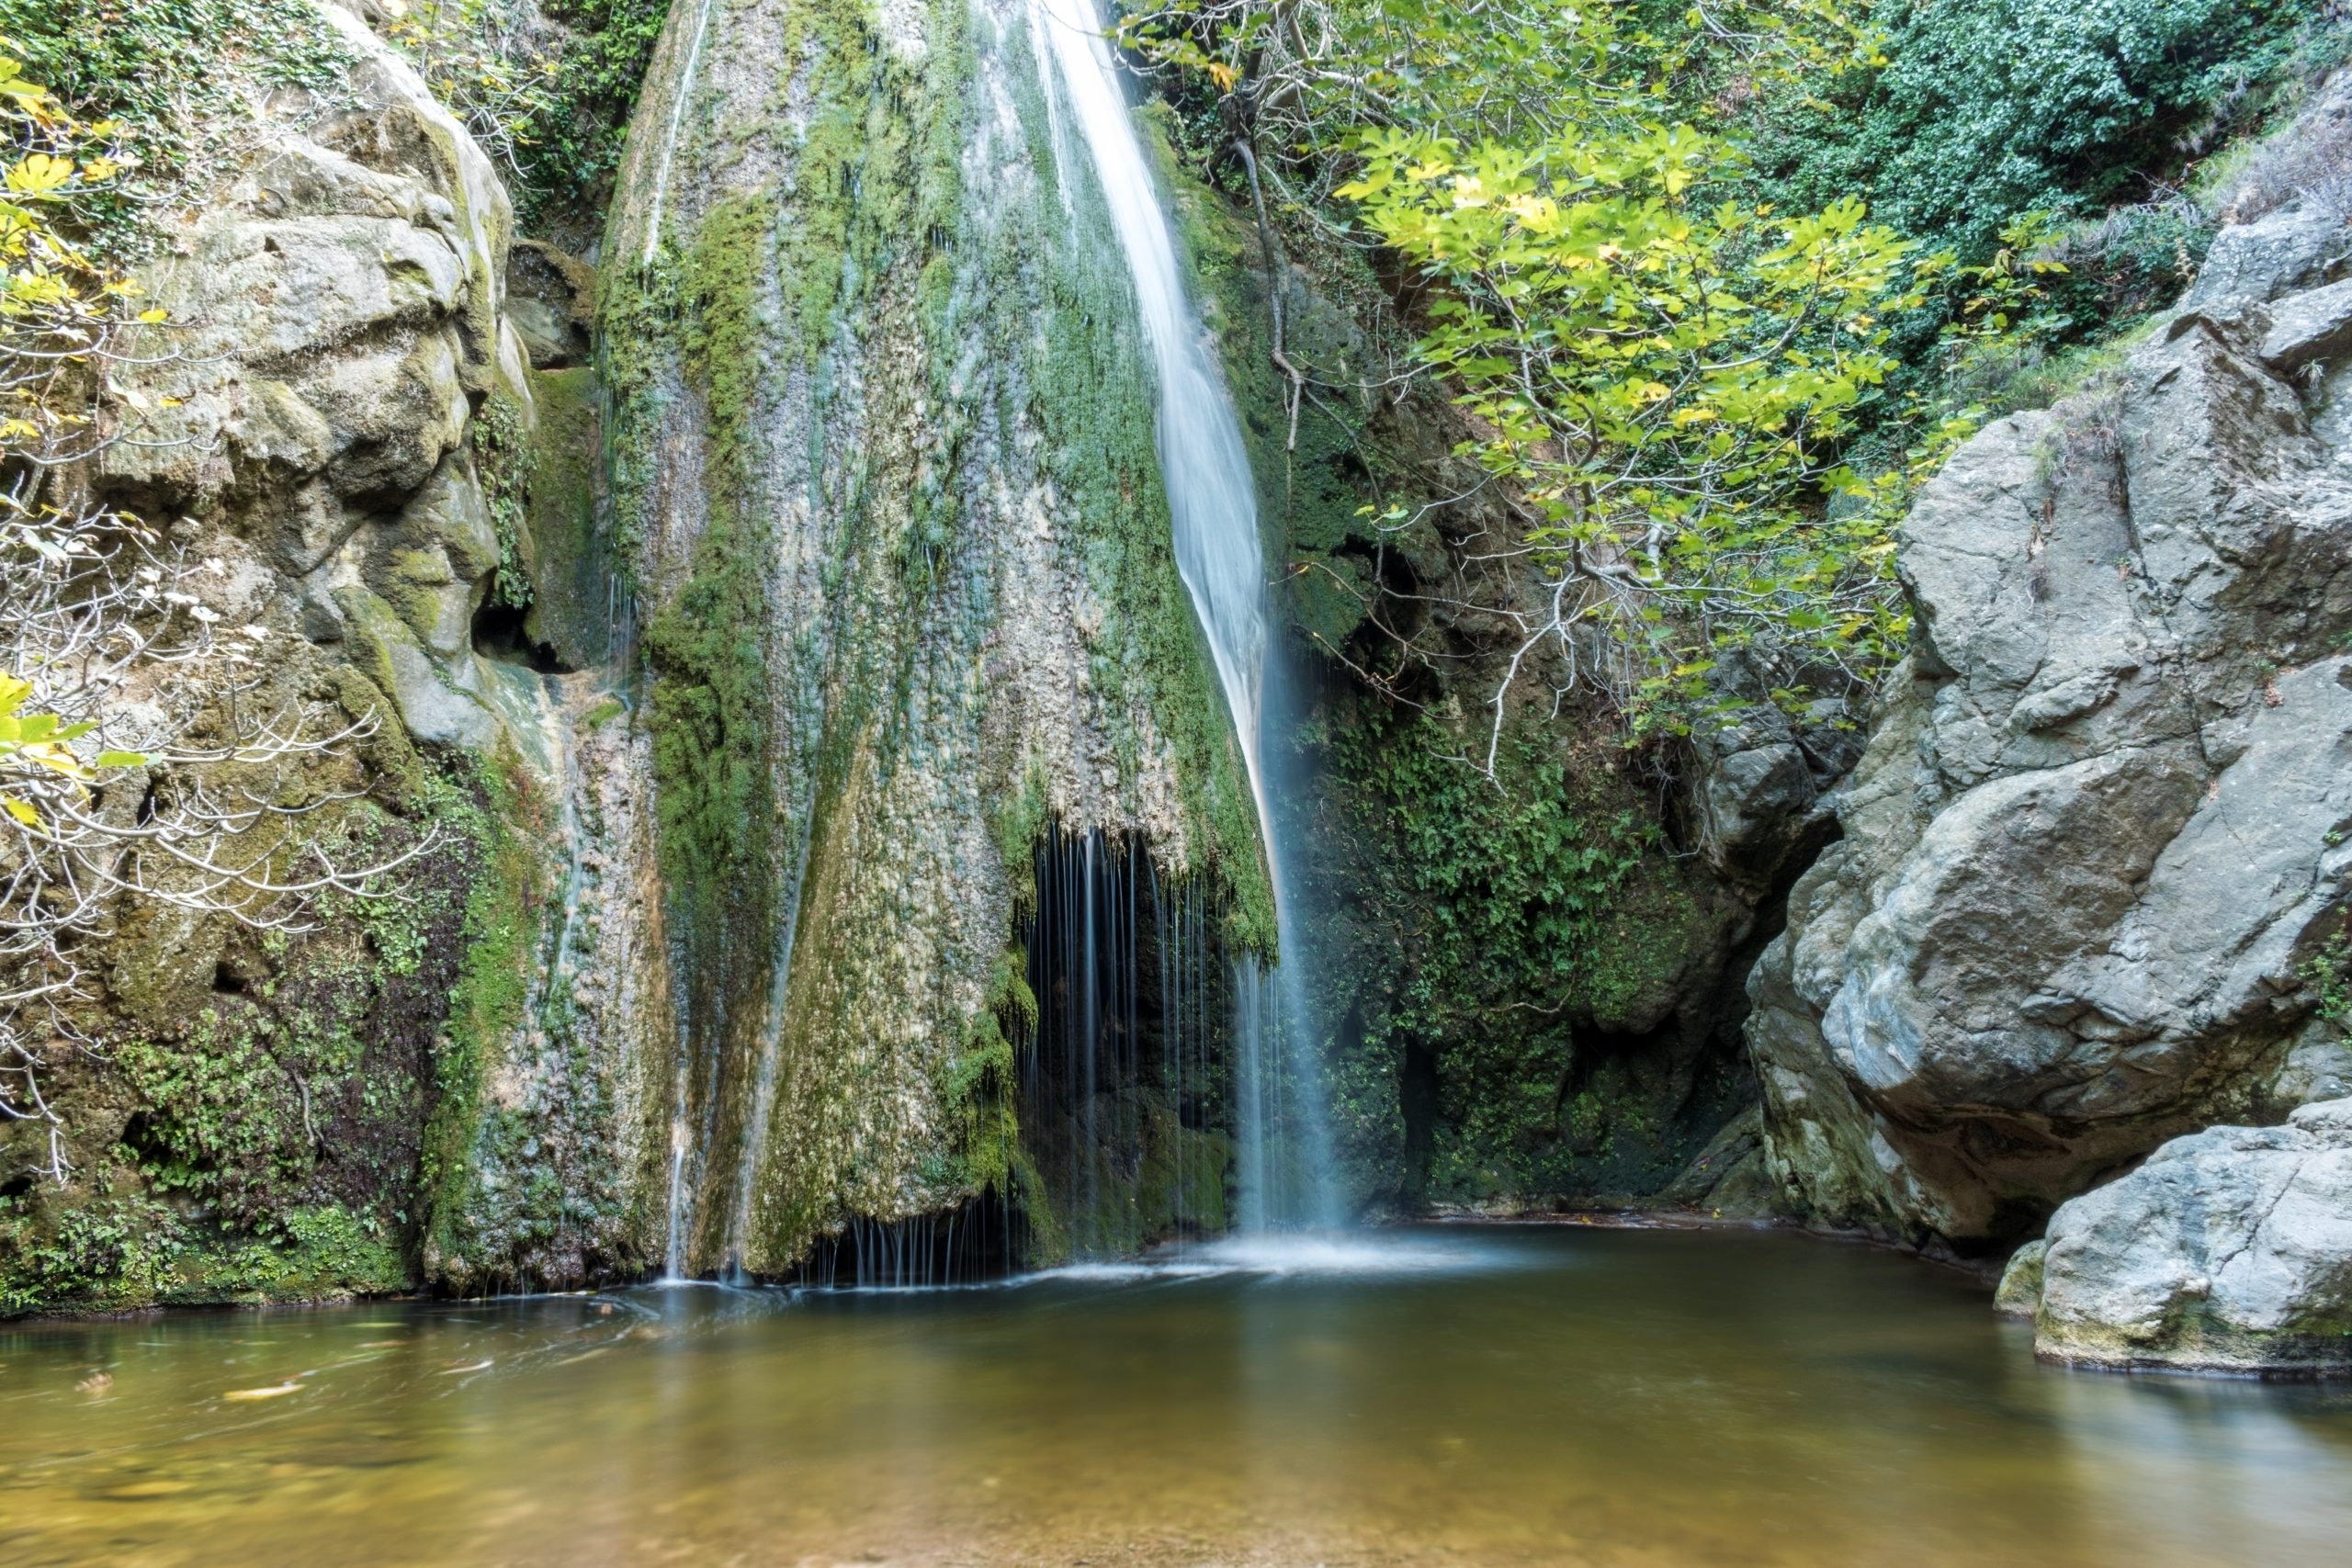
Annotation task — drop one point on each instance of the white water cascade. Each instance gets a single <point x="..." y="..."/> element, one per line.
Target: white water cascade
<point x="1286" y="1175"/>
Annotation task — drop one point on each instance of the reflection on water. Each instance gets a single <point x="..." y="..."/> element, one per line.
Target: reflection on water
<point x="1489" y="1396"/>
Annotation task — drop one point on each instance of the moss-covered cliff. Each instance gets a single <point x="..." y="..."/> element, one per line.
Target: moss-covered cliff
<point x="888" y="497"/>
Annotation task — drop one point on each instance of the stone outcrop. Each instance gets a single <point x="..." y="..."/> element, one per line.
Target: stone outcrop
<point x="888" y="501"/>
<point x="343" y="301"/>
<point x="2228" y="1250"/>
<point x="2096" y="838"/>
<point x="350" y="431"/>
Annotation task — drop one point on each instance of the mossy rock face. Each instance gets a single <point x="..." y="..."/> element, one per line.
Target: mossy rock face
<point x="571" y="572"/>
<point x="250" y="1124"/>
<point x="1534" y="983"/>
<point x="886" y="490"/>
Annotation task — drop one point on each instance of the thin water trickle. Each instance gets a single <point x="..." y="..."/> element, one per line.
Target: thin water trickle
<point x="670" y="138"/>
<point x="1286" y="1168"/>
<point x="543" y="712"/>
<point x="756" y="1130"/>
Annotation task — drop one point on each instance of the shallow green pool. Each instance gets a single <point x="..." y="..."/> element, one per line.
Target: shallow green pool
<point x="1463" y="1396"/>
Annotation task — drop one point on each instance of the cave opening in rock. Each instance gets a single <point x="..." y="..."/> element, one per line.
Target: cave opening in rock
<point x="502" y="632"/>
<point x="1122" y="1072"/>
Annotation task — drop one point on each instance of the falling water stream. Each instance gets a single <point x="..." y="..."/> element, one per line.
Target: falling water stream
<point x="1286" y="1175"/>
<point x="669" y="139"/>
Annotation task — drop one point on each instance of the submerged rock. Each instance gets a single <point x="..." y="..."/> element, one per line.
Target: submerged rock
<point x="2229" y="1251"/>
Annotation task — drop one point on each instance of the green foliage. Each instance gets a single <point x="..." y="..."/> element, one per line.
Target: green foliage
<point x="1508" y="929"/>
<point x="551" y="104"/>
<point x="505" y="461"/>
<point x="1989" y="108"/>
<point x="2328" y="975"/>
<point x="1666" y="383"/>
<point x="115" y="1253"/>
<point x="1665" y="368"/>
<point x="229" y="1115"/>
<point x="473" y="55"/>
<point x="171" y="73"/>
<point x="1500" y="893"/>
<point x="573" y="147"/>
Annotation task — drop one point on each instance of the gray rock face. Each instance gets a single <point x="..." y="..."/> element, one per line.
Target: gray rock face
<point x="2097" y="830"/>
<point x="550" y="298"/>
<point x="2298" y="245"/>
<point x="1764" y="781"/>
<point x="343" y="301"/>
<point x="2228" y="1250"/>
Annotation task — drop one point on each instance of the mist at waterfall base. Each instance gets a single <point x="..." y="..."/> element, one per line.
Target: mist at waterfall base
<point x="1285" y="1176"/>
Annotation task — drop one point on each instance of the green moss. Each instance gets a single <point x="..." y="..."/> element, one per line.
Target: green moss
<point x="860" y="354"/>
<point x="636" y="324"/>
<point x="1151" y="655"/>
<point x="982" y="1084"/>
<point x="503" y="913"/>
<point x="569" y="587"/>
<point x="1515" y="928"/>
<point x="118" y="1254"/>
<point x="710" y="709"/>
<point x="268" y="1141"/>
<point x="505" y="464"/>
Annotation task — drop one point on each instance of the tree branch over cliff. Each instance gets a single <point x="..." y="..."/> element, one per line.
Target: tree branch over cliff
<point x="140" y="763"/>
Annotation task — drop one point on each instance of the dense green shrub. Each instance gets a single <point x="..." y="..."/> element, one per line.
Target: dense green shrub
<point x="546" y="89"/>
<point x="1988" y="108"/>
<point x="577" y="144"/>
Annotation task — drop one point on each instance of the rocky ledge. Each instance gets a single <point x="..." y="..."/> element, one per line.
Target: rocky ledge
<point x="2097" y="843"/>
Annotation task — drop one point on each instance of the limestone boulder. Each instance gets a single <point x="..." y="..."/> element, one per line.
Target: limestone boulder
<point x="2228" y="1250"/>
<point x="335" y="321"/>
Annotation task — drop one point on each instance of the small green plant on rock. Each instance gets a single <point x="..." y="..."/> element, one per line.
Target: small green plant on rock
<point x="2328" y="974"/>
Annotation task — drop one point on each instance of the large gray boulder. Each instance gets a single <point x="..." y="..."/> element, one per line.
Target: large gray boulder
<point x="2229" y="1251"/>
<point x="2096" y="835"/>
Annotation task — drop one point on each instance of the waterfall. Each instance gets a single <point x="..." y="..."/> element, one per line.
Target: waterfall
<point x="1286" y="1159"/>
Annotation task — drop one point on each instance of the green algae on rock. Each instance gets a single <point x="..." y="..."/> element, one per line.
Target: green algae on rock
<point x="884" y="466"/>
